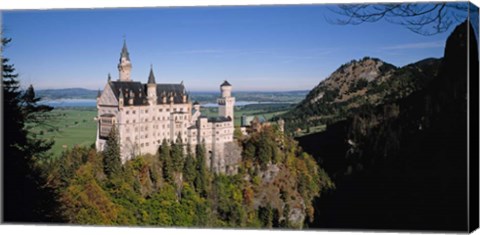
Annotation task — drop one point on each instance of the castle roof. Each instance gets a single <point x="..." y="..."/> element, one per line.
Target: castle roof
<point x="219" y="119"/>
<point x="124" y="51"/>
<point x="138" y="92"/>
<point x="225" y="83"/>
<point x="151" y="77"/>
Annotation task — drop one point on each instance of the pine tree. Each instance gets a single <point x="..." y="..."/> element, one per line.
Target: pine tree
<point x="25" y="198"/>
<point x="201" y="179"/>
<point x="189" y="171"/>
<point x="111" y="154"/>
<point x="166" y="160"/>
<point x="177" y="154"/>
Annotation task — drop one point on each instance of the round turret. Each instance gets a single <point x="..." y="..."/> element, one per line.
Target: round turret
<point x="196" y="106"/>
<point x="226" y="89"/>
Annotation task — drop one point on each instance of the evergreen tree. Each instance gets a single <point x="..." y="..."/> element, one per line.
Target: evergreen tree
<point x="201" y="179"/>
<point x="177" y="154"/>
<point x="189" y="171"/>
<point x="25" y="198"/>
<point x="111" y="154"/>
<point x="166" y="161"/>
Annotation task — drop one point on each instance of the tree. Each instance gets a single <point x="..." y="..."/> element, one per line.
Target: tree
<point x="166" y="161"/>
<point x="25" y="197"/>
<point x="111" y="154"/>
<point x="177" y="154"/>
<point x="201" y="179"/>
<point x="421" y="18"/>
<point x="189" y="171"/>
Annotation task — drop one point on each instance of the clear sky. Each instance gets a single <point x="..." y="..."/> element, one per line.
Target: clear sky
<point x="253" y="47"/>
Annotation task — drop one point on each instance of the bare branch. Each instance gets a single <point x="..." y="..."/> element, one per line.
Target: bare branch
<point x="422" y="18"/>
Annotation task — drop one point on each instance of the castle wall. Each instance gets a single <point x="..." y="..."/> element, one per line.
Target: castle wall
<point x="142" y="126"/>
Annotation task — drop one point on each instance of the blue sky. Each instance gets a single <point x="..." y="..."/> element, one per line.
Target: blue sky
<point x="253" y="47"/>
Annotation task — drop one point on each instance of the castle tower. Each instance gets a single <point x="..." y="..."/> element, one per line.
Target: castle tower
<point x="226" y="101"/>
<point x="152" y="88"/>
<point x="124" y="66"/>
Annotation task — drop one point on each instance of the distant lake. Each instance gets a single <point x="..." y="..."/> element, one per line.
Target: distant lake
<point x="93" y="103"/>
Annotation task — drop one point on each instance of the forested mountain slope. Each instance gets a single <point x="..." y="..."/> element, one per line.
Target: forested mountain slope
<point x="368" y="81"/>
<point x="403" y="164"/>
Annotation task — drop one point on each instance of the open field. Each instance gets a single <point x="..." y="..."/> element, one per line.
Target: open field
<point x="69" y="127"/>
<point x="75" y="126"/>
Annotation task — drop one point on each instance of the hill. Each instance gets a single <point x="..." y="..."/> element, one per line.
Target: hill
<point x="367" y="81"/>
<point x="67" y="93"/>
<point x="404" y="160"/>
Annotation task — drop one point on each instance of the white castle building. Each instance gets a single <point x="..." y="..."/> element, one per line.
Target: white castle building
<point x="146" y="114"/>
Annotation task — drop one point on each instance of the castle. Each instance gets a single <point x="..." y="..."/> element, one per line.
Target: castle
<point x="146" y="114"/>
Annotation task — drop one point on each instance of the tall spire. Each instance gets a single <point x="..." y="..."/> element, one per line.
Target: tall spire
<point x="124" y="66"/>
<point x="124" y="53"/>
<point x="151" y="77"/>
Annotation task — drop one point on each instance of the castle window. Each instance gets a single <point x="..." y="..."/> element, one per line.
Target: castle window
<point x="174" y="109"/>
<point x="106" y="123"/>
<point x="134" y="120"/>
<point x="134" y="112"/>
<point x="141" y="145"/>
<point x="147" y="144"/>
<point x="146" y="111"/>
<point x="168" y="110"/>
<point x="128" y="121"/>
<point x="181" y="109"/>
<point x="160" y="110"/>
<point x="128" y="112"/>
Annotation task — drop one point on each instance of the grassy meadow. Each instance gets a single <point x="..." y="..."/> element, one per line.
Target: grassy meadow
<point x="69" y="127"/>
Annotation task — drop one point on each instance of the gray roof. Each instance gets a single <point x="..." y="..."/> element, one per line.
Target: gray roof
<point x="151" y="77"/>
<point x="219" y="119"/>
<point x="138" y="92"/>
<point x="124" y="51"/>
<point x="225" y="83"/>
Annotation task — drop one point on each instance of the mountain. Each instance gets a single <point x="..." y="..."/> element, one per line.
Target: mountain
<point x="67" y="93"/>
<point x="402" y="164"/>
<point x="369" y="81"/>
